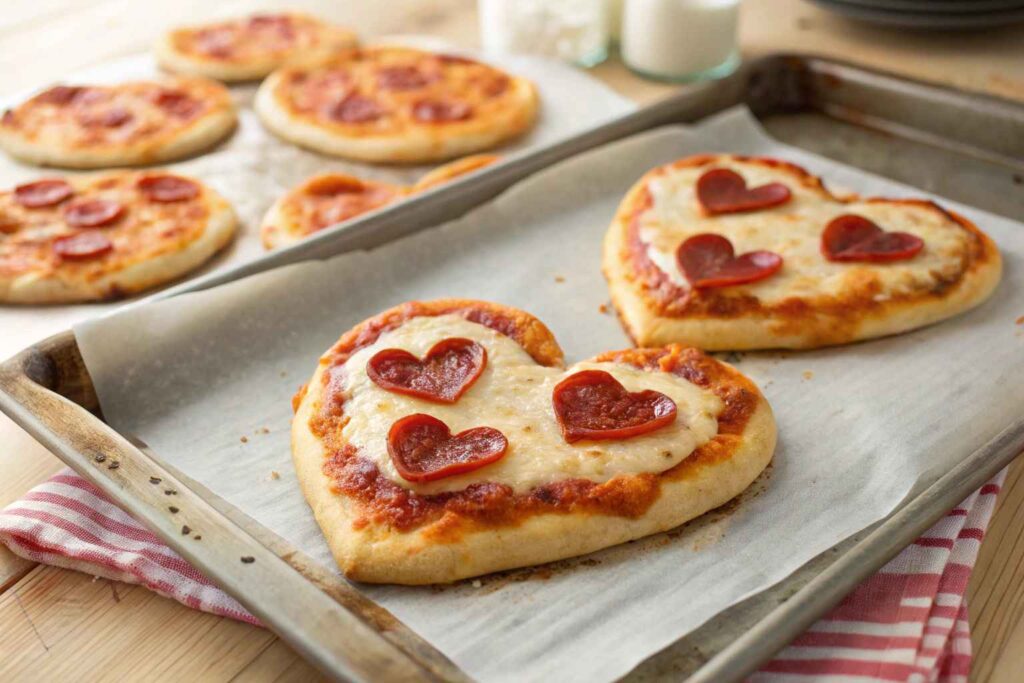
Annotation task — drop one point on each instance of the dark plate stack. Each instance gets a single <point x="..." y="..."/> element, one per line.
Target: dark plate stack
<point x="930" y="14"/>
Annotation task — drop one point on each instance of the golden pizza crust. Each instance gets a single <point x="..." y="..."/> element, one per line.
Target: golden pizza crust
<point x="315" y="41"/>
<point x="433" y="553"/>
<point x="655" y="312"/>
<point x="154" y="244"/>
<point x="397" y="137"/>
<point x="29" y="134"/>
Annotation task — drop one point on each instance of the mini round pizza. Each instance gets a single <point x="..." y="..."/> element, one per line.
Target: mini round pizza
<point x="447" y="439"/>
<point x="250" y="48"/>
<point x="327" y="199"/>
<point x="106" y="236"/>
<point x="394" y="104"/>
<point x="454" y="170"/>
<point x="129" y="124"/>
<point x="731" y="252"/>
<point x="319" y="202"/>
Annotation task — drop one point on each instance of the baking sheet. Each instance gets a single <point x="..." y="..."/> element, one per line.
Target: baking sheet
<point x="252" y="168"/>
<point x="206" y="381"/>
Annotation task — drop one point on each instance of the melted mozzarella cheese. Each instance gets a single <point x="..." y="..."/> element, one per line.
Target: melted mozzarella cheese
<point x="513" y="395"/>
<point x="793" y="230"/>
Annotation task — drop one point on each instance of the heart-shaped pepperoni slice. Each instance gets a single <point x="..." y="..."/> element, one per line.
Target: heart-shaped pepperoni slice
<point x="168" y="188"/>
<point x="83" y="246"/>
<point x="723" y="191"/>
<point x="445" y="373"/>
<point x="93" y="213"/>
<point x="42" y="193"/>
<point x="423" y="448"/>
<point x="708" y="260"/>
<point x="854" y="238"/>
<point x="592" y="404"/>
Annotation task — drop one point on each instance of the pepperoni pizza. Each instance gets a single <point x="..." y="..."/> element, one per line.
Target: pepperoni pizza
<point x="250" y="48"/>
<point x="106" y="236"/>
<point x="97" y="126"/>
<point x="730" y="252"/>
<point x="327" y="199"/>
<point x="446" y="439"/>
<point x="393" y="104"/>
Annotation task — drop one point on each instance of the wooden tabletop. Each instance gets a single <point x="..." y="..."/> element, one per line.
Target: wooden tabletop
<point x="58" y="624"/>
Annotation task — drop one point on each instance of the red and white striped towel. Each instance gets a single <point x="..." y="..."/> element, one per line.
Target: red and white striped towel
<point x="908" y="622"/>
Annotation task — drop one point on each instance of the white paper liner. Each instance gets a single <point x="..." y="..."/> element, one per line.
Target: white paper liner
<point x="253" y="168"/>
<point x="859" y="425"/>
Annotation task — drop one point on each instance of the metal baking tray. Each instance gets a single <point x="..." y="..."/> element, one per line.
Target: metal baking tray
<point x="909" y="131"/>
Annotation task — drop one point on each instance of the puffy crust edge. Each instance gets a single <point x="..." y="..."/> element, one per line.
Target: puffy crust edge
<point x="417" y="145"/>
<point x="379" y="555"/>
<point x="639" y="313"/>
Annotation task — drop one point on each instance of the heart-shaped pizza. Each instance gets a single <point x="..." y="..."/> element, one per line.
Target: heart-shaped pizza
<point x="446" y="439"/>
<point x="730" y="252"/>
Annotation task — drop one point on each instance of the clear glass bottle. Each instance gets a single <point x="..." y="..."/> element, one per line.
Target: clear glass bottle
<point x="573" y="30"/>
<point x="680" y="40"/>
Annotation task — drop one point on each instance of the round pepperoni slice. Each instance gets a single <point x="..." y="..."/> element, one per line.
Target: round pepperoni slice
<point x="168" y="188"/>
<point x="439" y="111"/>
<point x="592" y="404"/>
<point x="178" y="103"/>
<point x="401" y="78"/>
<point x="82" y="247"/>
<point x="449" y="368"/>
<point x="424" y="449"/>
<point x="356" y="109"/>
<point x="215" y="42"/>
<point x="42" y="193"/>
<point x="60" y="94"/>
<point x="111" y="118"/>
<point x="93" y="213"/>
<point x="280" y="24"/>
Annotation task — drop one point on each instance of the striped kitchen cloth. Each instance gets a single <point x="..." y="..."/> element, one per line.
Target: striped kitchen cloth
<point x="908" y="622"/>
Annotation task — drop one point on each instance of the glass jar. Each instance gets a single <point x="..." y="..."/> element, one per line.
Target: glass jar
<point x="573" y="30"/>
<point x="680" y="40"/>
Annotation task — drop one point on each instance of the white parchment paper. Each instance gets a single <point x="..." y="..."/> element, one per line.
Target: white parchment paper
<point x="858" y="425"/>
<point x="252" y="168"/>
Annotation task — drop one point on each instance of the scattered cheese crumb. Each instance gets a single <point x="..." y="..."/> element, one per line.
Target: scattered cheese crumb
<point x="244" y="439"/>
<point x="603" y="308"/>
<point x="808" y="374"/>
<point x="559" y="278"/>
<point x="262" y="430"/>
<point x="1020" y="320"/>
<point x="274" y="474"/>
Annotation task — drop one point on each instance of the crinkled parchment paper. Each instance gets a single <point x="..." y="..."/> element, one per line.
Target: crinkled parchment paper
<point x="252" y="167"/>
<point x="859" y="425"/>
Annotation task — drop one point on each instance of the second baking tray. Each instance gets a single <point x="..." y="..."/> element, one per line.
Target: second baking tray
<point x="911" y="132"/>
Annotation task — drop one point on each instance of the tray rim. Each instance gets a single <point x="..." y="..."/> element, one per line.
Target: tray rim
<point x="772" y="631"/>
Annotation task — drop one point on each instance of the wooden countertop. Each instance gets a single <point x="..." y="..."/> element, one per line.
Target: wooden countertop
<point x="59" y="624"/>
